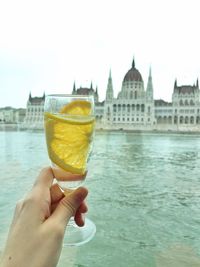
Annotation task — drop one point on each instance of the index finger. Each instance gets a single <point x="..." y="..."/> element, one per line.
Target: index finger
<point x="45" y="178"/>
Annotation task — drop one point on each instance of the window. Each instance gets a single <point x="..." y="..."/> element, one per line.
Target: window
<point x="142" y="107"/>
<point x="191" y="102"/>
<point x="135" y="94"/>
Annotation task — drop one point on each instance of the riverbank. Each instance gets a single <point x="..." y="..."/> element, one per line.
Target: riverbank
<point x="158" y="129"/>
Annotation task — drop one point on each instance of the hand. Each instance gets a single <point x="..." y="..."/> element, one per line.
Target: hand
<point x="36" y="233"/>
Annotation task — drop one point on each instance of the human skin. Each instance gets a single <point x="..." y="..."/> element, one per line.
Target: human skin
<point x="37" y="230"/>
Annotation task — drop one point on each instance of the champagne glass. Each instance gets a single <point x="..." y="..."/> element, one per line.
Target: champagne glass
<point x="69" y="128"/>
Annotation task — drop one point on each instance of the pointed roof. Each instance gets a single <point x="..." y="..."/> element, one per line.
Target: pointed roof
<point x="175" y="83"/>
<point x="110" y="74"/>
<point x="150" y="71"/>
<point x="30" y="96"/>
<point x="74" y="87"/>
<point x="133" y="74"/>
<point x="197" y="83"/>
<point x="149" y="83"/>
<point x="133" y="63"/>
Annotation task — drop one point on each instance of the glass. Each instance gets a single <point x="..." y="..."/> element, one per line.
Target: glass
<point x="69" y="128"/>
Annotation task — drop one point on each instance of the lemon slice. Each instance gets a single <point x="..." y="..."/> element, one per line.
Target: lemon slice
<point x="69" y="136"/>
<point x="77" y="107"/>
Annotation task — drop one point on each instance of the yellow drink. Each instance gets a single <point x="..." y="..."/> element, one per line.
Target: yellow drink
<point x="69" y="139"/>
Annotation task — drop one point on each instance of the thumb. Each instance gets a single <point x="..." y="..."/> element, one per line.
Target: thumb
<point x="69" y="205"/>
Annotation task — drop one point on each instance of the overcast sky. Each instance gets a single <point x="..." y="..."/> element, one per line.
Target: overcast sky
<point x="47" y="45"/>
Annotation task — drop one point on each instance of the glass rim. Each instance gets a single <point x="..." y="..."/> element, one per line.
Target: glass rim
<point x="68" y="95"/>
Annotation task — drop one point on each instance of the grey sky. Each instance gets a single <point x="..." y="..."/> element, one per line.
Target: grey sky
<point x="46" y="45"/>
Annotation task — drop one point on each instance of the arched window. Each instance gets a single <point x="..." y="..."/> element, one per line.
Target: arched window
<point x="186" y="120"/>
<point x="119" y="107"/>
<point x="124" y="107"/>
<point x="149" y="109"/>
<point x="186" y="102"/>
<point x="133" y="107"/>
<point x="128" y="108"/>
<point x="135" y="94"/>
<point x="192" y="120"/>
<point x="114" y="108"/>
<point x="131" y="95"/>
<point x="181" y="102"/>
<point x="181" y="119"/>
<point x="159" y="120"/>
<point x="191" y="102"/>
<point x="138" y="107"/>
<point x="142" y="107"/>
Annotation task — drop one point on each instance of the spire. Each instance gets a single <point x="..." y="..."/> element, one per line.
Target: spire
<point x="175" y="83"/>
<point x="197" y="84"/>
<point x="91" y="86"/>
<point x="96" y="96"/>
<point x="110" y="76"/>
<point x="150" y="71"/>
<point x="109" y="91"/>
<point x="149" y="90"/>
<point x="133" y="63"/>
<point x="43" y="95"/>
<point x="74" y="89"/>
<point x="30" y="97"/>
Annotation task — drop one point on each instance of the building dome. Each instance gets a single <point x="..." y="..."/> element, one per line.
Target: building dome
<point x="133" y="74"/>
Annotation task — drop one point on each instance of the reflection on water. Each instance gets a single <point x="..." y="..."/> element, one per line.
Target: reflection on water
<point x="144" y="196"/>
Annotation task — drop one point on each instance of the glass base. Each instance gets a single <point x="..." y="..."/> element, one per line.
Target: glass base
<point x="77" y="236"/>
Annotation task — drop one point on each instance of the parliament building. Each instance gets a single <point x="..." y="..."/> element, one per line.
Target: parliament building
<point x="134" y="108"/>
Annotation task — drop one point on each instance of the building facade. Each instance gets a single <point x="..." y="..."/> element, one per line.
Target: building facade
<point x="9" y="115"/>
<point x="134" y="108"/>
<point x="34" y="118"/>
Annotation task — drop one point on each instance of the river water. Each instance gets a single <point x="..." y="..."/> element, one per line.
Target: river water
<point x="144" y="196"/>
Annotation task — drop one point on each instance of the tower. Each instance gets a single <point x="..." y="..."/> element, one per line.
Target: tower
<point x="74" y="89"/>
<point x="149" y="91"/>
<point x="109" y="91"/>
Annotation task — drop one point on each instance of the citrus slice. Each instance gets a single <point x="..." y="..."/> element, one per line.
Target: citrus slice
<point x="77" y="107"/>
<point x="69" y="136"/>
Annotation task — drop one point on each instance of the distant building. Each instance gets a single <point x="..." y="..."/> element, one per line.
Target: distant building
<point x="34" y="118"/>
<point x="86" y="91"/>
<point x="9" y="115"/>
<point x="134" y="108"/>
